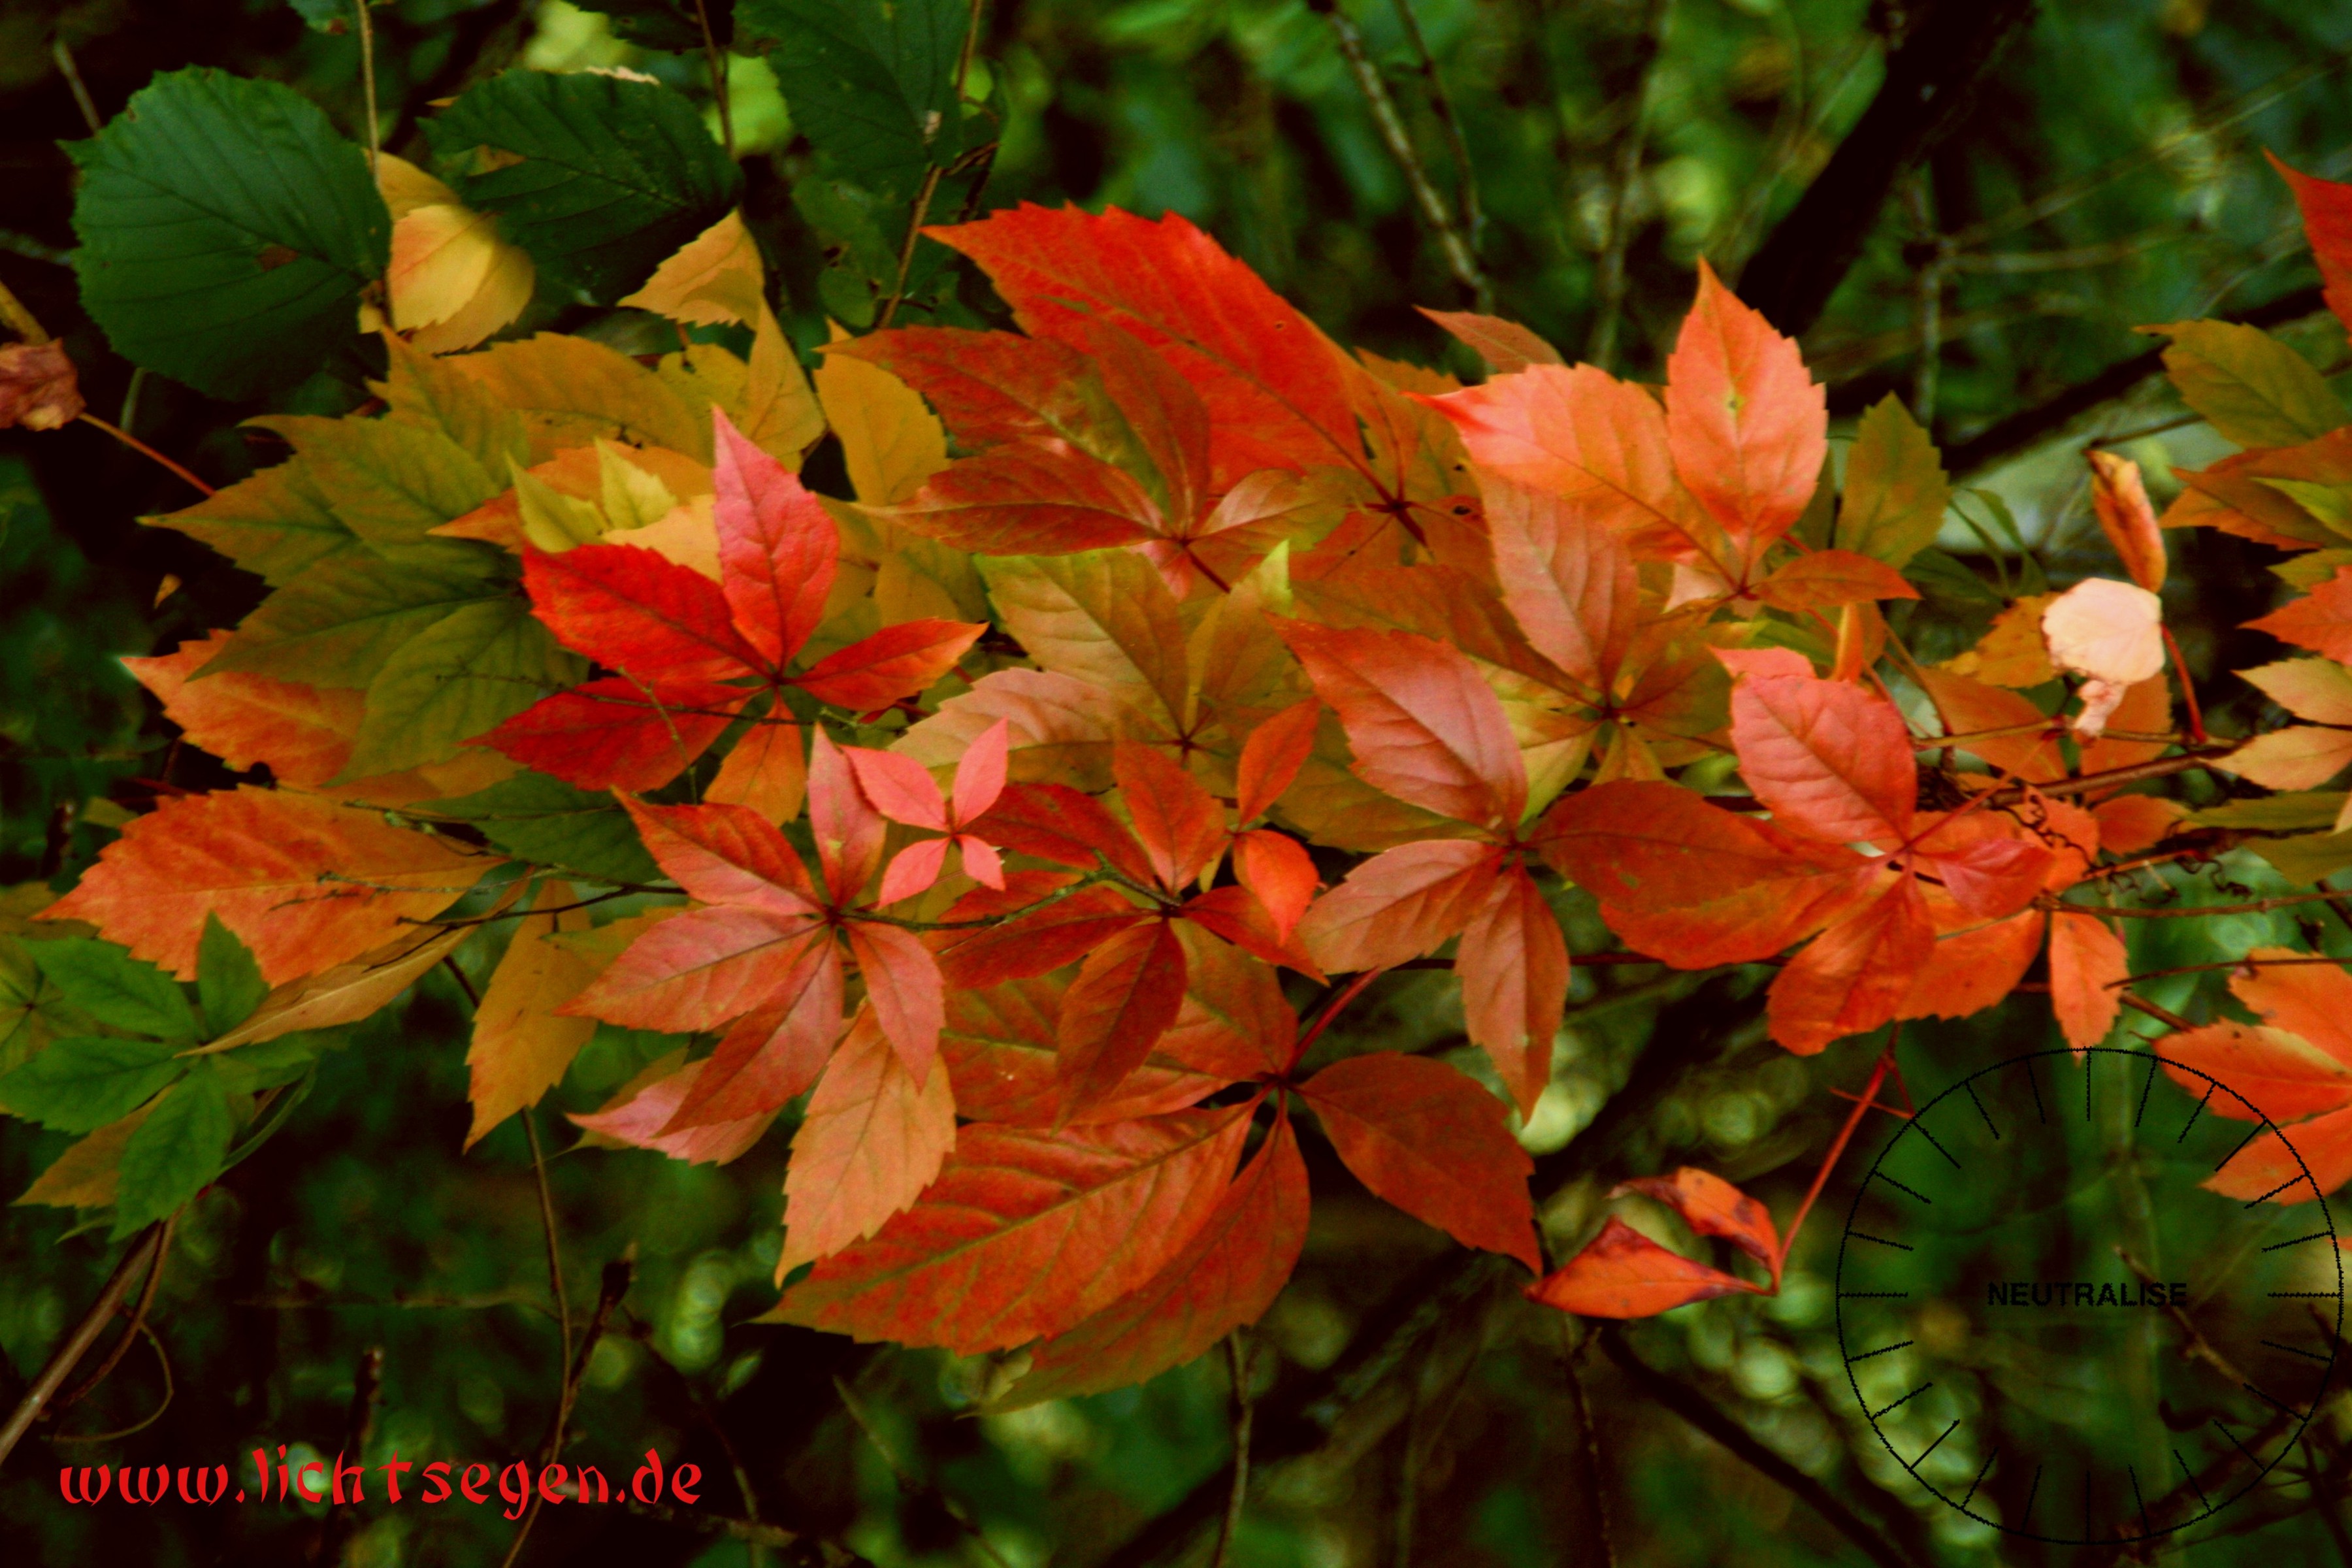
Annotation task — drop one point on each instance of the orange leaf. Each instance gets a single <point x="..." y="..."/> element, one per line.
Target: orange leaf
<point x="2119" y="497"/>
<point x="2131" y="823"/>
<point x="2321" y="620"/>
<point x="903" y="988"/>
<point x="773" y="1052"/>
<point x="1973" y="968"/>
<point x="2267" y="1168"/>
<point x="1000" y="1047"/>
<point x="1829" y="758"/>
<point x="777" y="548"/>
<point x="1855" y="976"/>
<point x="1026" y="1235"/>
<point x="2087" y="965"/>
<point x="1713" y="1206"/>
<point x="2327" y="223"/>
<point x="635" y="1115"/>
<point x="872" y="1138"/>
<point x="1423" y="724"/>
<point x="1747" y="426"/>
<point x="1276" y="869"/>
<point x="301" y="733"/>
<point x="521" y="1045"/>
<point x="1126" y="995"/>
<point x="1235" y="1022"/>
<point x="1504" y="345"/>
<point x="1179" y="825"/>
<point x="1825" y="579"/>
<point x="1062" y="933"/>
<point x="1399" y="904"/>
<point x="1621" y="1273"/>
<point x="893" y="663"/>
<point x="1272" y="757"/>
<point x="1568" y="580"/>
<point x="2313" y="1000"/>
<point x="1228" y="1275"/>
<point x="1514" y="968"/>
<point x="305" y="883"/>
<point x="1054" y="822"/>
<point x="1434" y="1143"/>
<point x="849" y="831"/>
<point x="766" y="772"/>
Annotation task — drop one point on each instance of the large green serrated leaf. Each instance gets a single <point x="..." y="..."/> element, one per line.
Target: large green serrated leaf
<point x="175" y="1151"/>
<point x="550" y="823"/>
<point x="226" y="231"/>
<point x="599" y="178"/>
<point x="116" y="989"/>
<point x="873" y="86"/>
<point x="276" y="524"/>
<point x="1895" y="491"/>
<point x="456" y="680"/>
<point x="342" y="621"/>
<point x="2249" y="386"/>
<point x="80" y="1084"/>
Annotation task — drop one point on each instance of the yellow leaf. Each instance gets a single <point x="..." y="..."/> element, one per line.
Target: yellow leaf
<point x="2011" y="653"/>
<point x="688" y="533"/>
<point x="570" y="391"/>
<point x="716" y="277"/>
<point x="552" y="519"/>
<point x="891" y="439"/>
<point x="85" y="1175"/>
<point x="768" y="397"/>
<point x="522" y="1048"/>
<point x="441" y="255"/>
<point x="405" y="188"/>
<point x="631" y="497"/>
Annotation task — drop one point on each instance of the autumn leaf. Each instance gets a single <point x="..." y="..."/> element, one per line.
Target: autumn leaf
<point x="2119" y="500"/>
<point x="521" y="1045"/>
<point x="1747" y="426"/>
<point x="1621" y="1273"/>
<point x="870" y="1142"/>
<point x="1506" y="346"/>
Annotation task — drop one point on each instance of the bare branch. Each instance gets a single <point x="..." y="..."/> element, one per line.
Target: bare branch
<point x="78" y="1344"/>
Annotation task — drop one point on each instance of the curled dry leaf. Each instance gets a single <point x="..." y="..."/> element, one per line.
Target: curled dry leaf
<point x="2112" y="633"/>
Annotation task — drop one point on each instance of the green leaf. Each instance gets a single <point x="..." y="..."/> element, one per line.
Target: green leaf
<point x="2298" y="808"/>
<point x="79" y="1085"/>
<point x="599" y="178"/>
<point x="1943" y="576"/>
<point x="116" y="989"/>
<point x="428" y="392"/>
<point x="390" y="482"/>
<point x="2302" y="860"/>
<point x="2331" y="504"/>
<point x="176" y="1151"/>
<point x="276" y="524"/>
<point x="1895" y="491"/>
<point x="2310" y="568"/>
<point x="872" y="86"/>
<point x="456" y="680"/>
<point x="266" y="1064"/>
<point x="550" y="823"/>
<point x="2249" y="386"/>
<point x="226" y="232"/>
<point x="229" y="978"/>
<point x="664" y="24"/>
<point x="343" y="620"/>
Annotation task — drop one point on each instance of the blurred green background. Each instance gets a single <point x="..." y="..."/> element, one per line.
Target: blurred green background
<point x="2099" y="167"/>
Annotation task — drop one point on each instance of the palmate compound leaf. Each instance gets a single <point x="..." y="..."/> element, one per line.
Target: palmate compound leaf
<point x="1026" y="1235"/>
<point x="1429" y="1141"/>
<point x="305" y="883"/>
<point x="226" y="230"/>
<point x="1227" y="1276"/>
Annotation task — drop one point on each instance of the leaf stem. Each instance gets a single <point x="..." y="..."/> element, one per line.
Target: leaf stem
<point x="78" y="1344"/>
<point x="143" y="450"/>
<point x="716" y="59"/>
<point x="1862" y="1105"/>
<point x="62" y="53"/>
<point x="1355" y="988"/>
<point x="367" y="84"/>
<point x="138" y="1321"/>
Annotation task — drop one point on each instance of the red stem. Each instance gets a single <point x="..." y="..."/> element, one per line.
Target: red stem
<point x="1323" y="1020"/>
<point x="2187" y="691"/>
<point x="1837" y="1150"/>
<point x="136" y="444"/>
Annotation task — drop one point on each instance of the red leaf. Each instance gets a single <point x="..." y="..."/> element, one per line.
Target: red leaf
<point x="777" y="548"/>
<point x="2321" y="620"/>
<point x="638" y="612"/>
<point x="1228" y="1275"/>
<point x="1037" y="944"/>
<point x="772" y="1053"/>
<point x="1621" y="1273"/>
<point x="1235" y="914"/>
<point x="989" y="387"/>
<point x="1514" y="968"/>
<point x="1654" y="845"/>
<point x="1423" y="724"/>
<point x="872" y="1138"/>
<point x="2268" y="1169"/>
<point x="1272" y="757"/>
<point x="1277" y="868"/>
<point x="726" y="855"/>
<point x="1854" y="975"/>
<point x="1001" y="1048"/>
<point x="1026" y="1235"/>
<point x="700" y="969"/>
<point x="1713" y="1206"/>
<point x="912" y="870"/>
<point x="979" y="773"/>
<point x="2328" y="222"/>
<point x="903" y="987"/>
<point x="2087" y="965"/>
<point x="1179" y="825"/>
<point x="617" y="733"/>
<point x="1434" y="1143"/>
<point x="1399" y="904"/>
<point x="895" y="662"/>
<point x="1988" y="870"/>
<point x="1054" y="822"/>
<point x="1039" y="499"/>
<point x="1568" y="581"/>
<point x="1747" y="426"/>
<point x="1235" y="1022"/>
<point x="1125" y="997"/>
<point x="848" y="832"/>
<point x="1276" y="386"/>
<point x="636" y="1115"/>
<point x="1829" y="758"/>
<point x="899" y="787"/>
<point x="1973" y="968"/>
<point x="2280" y="1075"/>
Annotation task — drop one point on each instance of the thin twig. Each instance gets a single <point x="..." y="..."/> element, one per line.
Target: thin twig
<point x="78" y="1344"/>
<point x="911" y="1484"/>
<point x="1466" y="177"/>
<point x="1399" y="141"/>
<point x="2249" y="962"/>
<point x="931" y="177"/>
<point x="163" y="1363"/>
<point x="143" y="450"/>
<point x="2162" y="767"/>
<point x="1237" y="1361"/>
<point x="716" y="59"/>
<point x="1594" y="1481"/>
<point x="2251" y="907"/>
<point x="20" y="321"/>
<point x="137" y="1321"/>
<point x="2161" y="1014"/>
<point x="61" y="53"/>
<point x="1609" y="281"/>
<point x="2196" y="1345"/>
<point x="1700" y="1412"/>
<point x="367" y="83"/>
